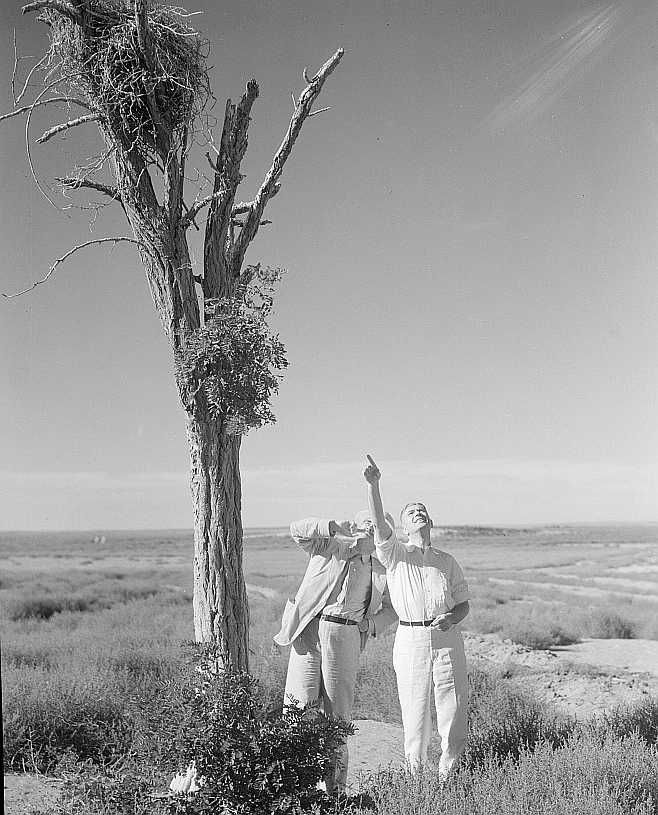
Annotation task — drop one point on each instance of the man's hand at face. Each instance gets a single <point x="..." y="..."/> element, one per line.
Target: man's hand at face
<point x="371" y="472"/>
<point x="342" y="528"/>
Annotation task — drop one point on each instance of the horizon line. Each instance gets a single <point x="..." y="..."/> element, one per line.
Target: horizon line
<point x="259" y="527"/>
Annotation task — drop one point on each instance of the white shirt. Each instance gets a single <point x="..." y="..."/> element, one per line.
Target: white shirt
<point x="422" y="583"/>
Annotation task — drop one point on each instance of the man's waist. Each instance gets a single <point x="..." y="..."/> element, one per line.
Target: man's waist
<point x="335" y="618"/>
<point x="423" y="623"/>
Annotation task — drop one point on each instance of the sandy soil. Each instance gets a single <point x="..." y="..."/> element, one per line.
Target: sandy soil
<point x="31" y="794"/>
<point x="582" y="680"/>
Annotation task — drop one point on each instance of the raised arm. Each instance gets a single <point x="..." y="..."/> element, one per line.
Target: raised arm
<point x="317" y="536"/>
<point x="385" y="541"/>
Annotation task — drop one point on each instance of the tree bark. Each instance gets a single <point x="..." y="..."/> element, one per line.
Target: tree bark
<point x="221" y="609"/>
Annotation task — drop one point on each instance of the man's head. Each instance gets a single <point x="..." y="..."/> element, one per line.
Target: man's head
<point x="363" y="522"/>
<point x="414" y="517"/>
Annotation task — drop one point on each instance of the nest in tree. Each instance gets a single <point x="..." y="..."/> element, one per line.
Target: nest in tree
<point x="141" y="93"/>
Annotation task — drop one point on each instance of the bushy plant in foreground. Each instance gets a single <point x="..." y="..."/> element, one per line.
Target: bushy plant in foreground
<point x="251" y="759"/>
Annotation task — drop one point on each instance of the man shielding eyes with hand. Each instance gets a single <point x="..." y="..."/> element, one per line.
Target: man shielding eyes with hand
<point x="342" y="600"/>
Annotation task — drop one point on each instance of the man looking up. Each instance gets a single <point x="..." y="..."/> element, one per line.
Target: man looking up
<point x="341" y="600"/>
<point x="430" y="596"/>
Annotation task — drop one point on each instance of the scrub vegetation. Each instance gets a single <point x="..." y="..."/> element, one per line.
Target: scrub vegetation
<point x="97" y="657"/>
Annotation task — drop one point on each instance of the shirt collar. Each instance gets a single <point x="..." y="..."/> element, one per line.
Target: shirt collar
<point x="432" y="546"/>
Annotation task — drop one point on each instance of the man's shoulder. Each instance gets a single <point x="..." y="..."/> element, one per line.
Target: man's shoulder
<point x="443" y="556"/>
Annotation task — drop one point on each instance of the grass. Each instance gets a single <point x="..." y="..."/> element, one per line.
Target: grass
<point x="94" y="653"/>
<point x="581" y="777"/>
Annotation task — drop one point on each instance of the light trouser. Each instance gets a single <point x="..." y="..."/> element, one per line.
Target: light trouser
<point x="422" y="658"/>
<point x="323" y="664"/>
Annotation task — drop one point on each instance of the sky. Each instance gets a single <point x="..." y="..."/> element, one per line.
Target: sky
<point x="471" y="291"/>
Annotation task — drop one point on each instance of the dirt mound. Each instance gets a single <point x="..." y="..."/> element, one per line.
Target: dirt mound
<point x="583" y="679"/>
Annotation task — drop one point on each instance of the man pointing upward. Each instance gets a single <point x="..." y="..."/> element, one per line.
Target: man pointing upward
<point x="430" y="595"/>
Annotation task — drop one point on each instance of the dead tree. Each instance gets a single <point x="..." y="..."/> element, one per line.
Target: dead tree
<point x="139" y="75"/>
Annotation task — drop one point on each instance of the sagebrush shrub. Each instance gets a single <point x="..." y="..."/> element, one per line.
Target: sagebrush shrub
<point x="253" y="760"/>
<point x="504" y="721"/>
<point x="604" y="624"/>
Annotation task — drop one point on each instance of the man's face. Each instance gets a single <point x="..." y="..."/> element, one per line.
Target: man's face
<point x="414" y="517"/>
<point x="366" y="526"/>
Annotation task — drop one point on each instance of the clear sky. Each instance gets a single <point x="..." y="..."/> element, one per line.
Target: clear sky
<point x="471" y="243"/>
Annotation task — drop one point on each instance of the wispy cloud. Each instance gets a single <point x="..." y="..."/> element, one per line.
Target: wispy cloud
<point x="553" y="70"/>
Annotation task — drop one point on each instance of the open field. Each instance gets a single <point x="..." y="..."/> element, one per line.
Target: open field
<point x="565" y="614"/>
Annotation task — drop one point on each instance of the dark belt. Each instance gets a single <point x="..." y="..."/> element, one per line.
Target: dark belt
<point x="340" y="620"/>
<point x="424" y="623"/>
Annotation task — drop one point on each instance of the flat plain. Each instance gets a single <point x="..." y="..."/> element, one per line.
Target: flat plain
<point x="91" y="619"/>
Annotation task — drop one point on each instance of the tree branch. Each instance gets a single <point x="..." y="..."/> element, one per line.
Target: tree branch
<point x="48" y="88"/>
<point x="301" y="113"/>
<point x="193" y="211"/>
<point x="227" y="178"/>
<point x="238" y="222"/>
<point x="81" y="120"/>
<point x="64" y="257"/>
<point x="143" y="36"/>
<point x="30" y="74"/>
<point x="27" y="108"/>
<point x="242" y="207"/>
<point x="55" y="5"/>
<point x="78" y="183"/>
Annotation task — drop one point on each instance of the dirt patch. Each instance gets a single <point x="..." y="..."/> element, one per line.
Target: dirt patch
<point x="581" y="680"/>
<point x="374" y="746"/>
<point x="31" y="794"/>
<point x="635" y="656"/>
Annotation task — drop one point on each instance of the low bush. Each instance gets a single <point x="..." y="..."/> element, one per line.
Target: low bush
<point x="249" y="757"/>
<point x="639" y="719"/>
<point x="581" y="777"/>
<point x="503" y="721"/>
<point x="71" y="688"/>
<point x="605" y="624"/>
<point x="538" y="637"/>
<point x="43" y="719"/>
<point x="94" y="598"/>
<point x="253" y="760"/>
<point x="539" y="627"/>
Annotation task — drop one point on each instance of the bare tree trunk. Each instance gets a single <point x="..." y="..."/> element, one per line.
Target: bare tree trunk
<point x="221" y="609"/>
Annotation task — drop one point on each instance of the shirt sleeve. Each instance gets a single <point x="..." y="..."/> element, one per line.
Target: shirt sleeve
<point x="458" y="584"/>
<point x="312" y="535"/>
<point x="388" y="550"/>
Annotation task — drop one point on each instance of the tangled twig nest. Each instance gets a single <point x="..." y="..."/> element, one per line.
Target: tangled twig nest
<point x="140" y="97"/>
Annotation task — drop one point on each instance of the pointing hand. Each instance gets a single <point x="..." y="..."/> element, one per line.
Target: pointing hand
<point x="371" y="472"/>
